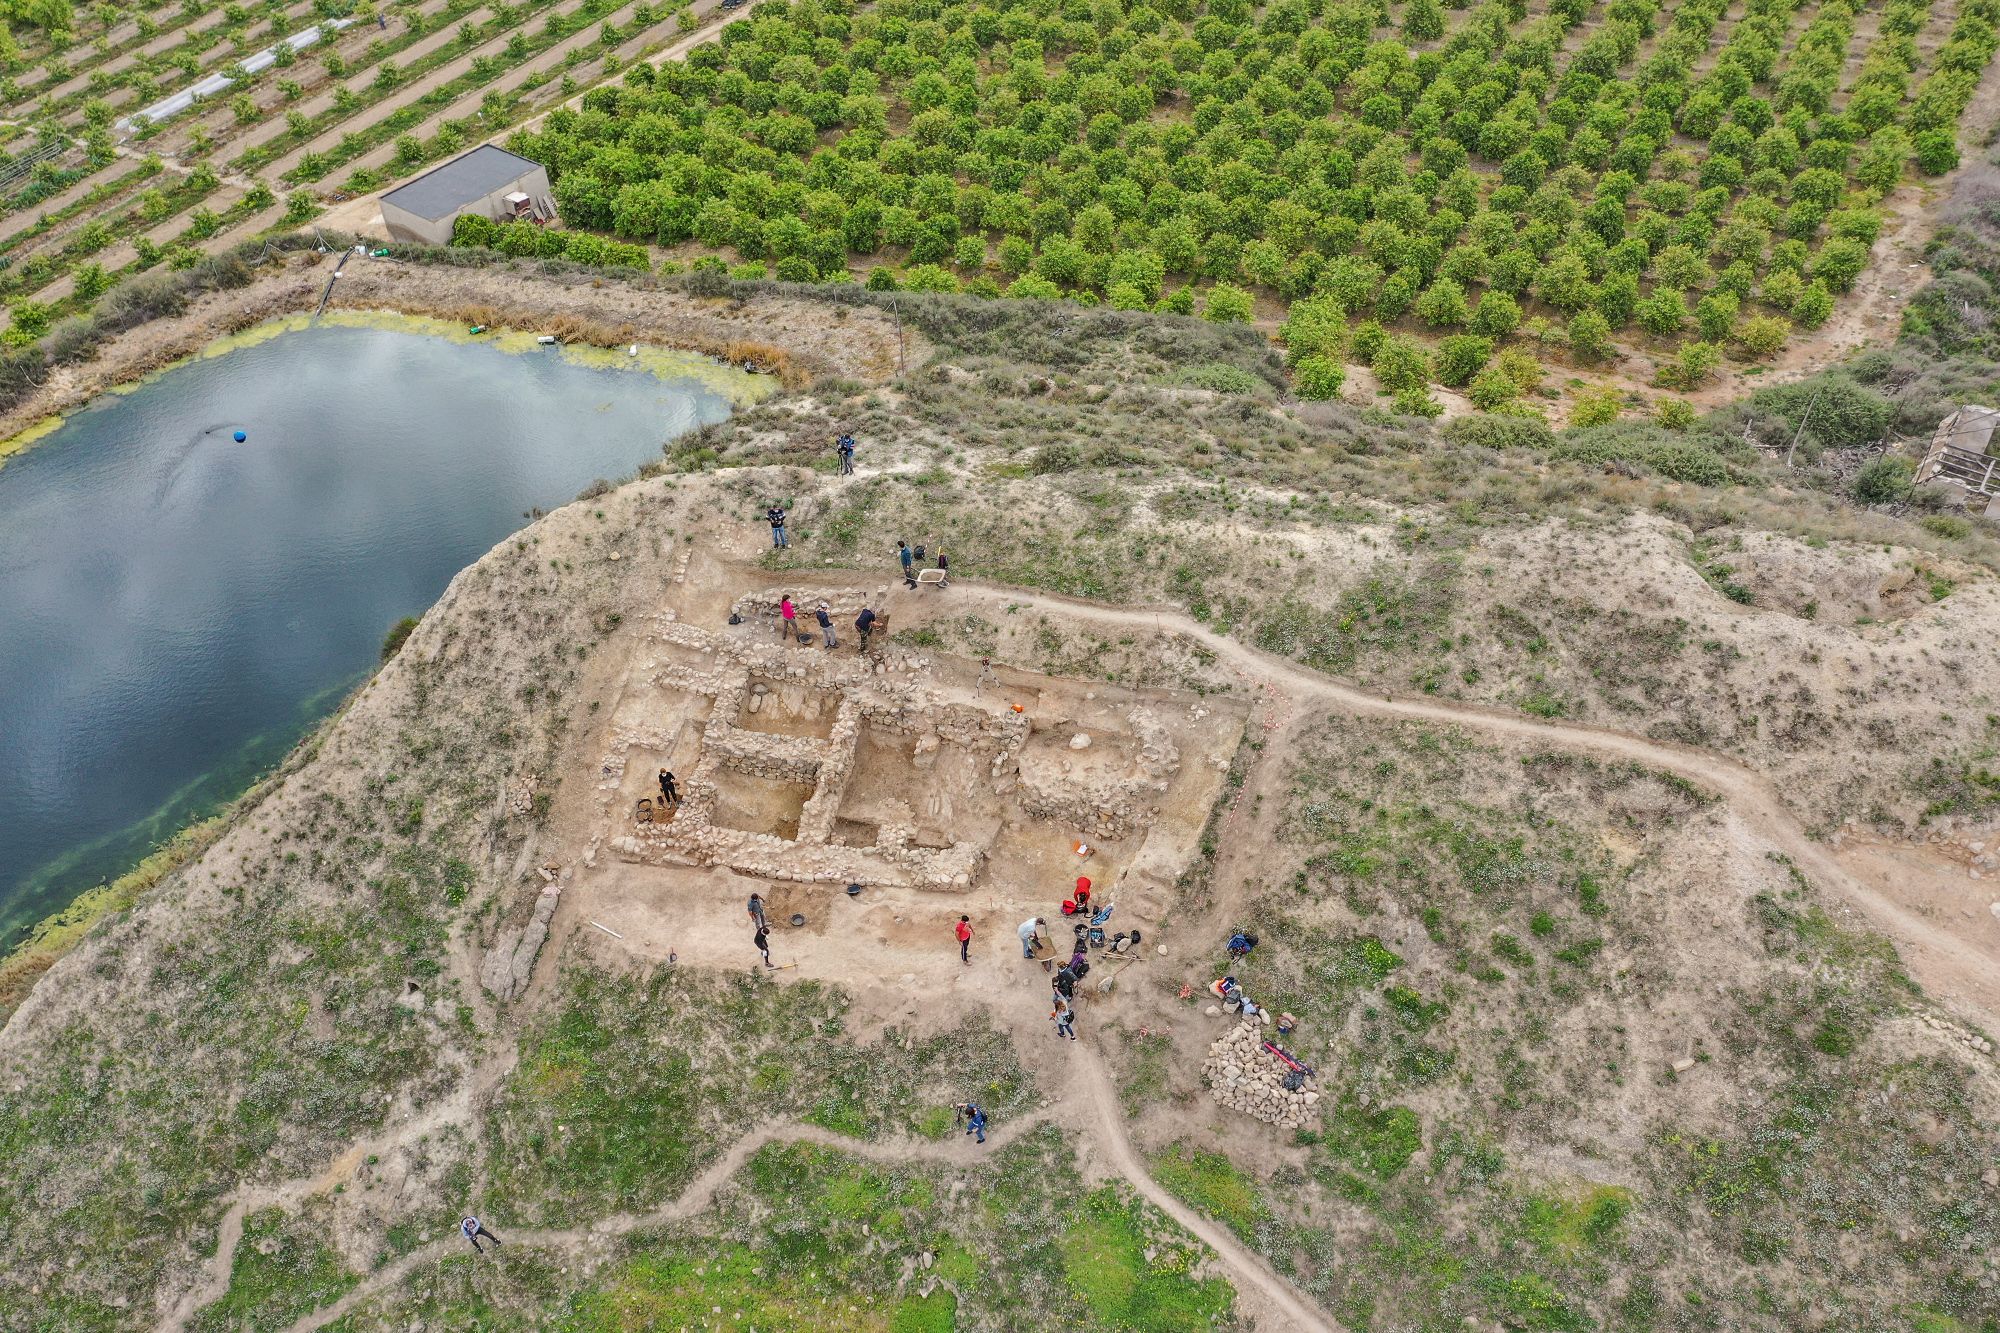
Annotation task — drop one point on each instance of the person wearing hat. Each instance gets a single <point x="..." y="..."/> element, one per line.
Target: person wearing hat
<point x="824" y="615"/>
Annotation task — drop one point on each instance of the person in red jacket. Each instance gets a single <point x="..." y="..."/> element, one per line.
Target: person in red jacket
<point x="1083" y="894"/>
<point x="964" y="933"/>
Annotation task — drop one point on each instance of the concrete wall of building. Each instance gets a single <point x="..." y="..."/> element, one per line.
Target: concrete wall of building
<point x="406" y="226"/>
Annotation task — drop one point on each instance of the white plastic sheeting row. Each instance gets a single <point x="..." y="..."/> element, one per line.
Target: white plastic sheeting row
<point x="215" y="83"/>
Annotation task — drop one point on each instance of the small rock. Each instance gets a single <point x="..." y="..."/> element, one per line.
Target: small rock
<point x="1079" y="742"/>
<point x="1162" y="951"/>
<point x="1682" y="1065"/>
<point x="1212" y="1012"/>
<point x="1990" y="1178"/>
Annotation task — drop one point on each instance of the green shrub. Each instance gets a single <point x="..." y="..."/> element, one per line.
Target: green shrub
<point x="1400" y="364"/>
<point x="1061" y="456"/>
<point x="1496" y="315"/>
<point x="1218" y="377"/>
<point x="1945" y="525"/>
<point x="1937" y="152"/>
<point x="1460" y="357"/>
<point x="1227" y="304"/>
<point x="1596" y="407"/>
<point x="1684" y="460"/>
<point x="1836" y="411"/>
<point x="1590" y="336"/>
<point x="1368" y="339"/>
<point x="1318" y="377"/>
<point x="1763" y="335"/>
<point x="1675" y="414"/>
<point x="1492" y="387"/>
<point x="1883" y="480"/>
<point x="1487" y="431"/>
<point x="1417" y="402"/>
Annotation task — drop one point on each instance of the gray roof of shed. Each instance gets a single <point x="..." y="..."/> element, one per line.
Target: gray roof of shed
<point x="444" y="190"/>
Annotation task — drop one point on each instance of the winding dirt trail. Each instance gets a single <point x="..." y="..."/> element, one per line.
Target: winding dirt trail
<point x="1257" y="1285"/>
<point x="1952" y="968"/>
<point x="699" y="1194"/>
<point x="1254" y="1279"/>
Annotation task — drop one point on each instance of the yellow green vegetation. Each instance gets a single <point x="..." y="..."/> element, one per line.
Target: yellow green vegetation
<point x="58" y="933"/>
<point x="21" y="440"/>
<point x="739" y="386"/>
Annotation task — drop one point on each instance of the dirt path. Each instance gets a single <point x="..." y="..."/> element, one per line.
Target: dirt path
<point x="1252" y="1277"/>
<point x="694" y="1199"/>
<point x="1256" y="1283"/>
<point x="1947" y="964"/>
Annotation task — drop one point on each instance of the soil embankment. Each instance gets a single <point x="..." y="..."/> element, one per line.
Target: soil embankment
<point x="799" y="340"/>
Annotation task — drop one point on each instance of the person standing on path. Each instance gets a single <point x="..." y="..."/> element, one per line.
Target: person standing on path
<point x="670" y="792"/>
<point x="762" y="939"/>
<point x="944" y="568"/>
<point x="472" y="1229"/>
<point x="975" y="1120"/>
<point x="776" y="517"/>
<point x="1028" y="931"/>
<point x="824" y="616"/>
<point x="846" y="448"/>
<point x="788" y="619"/>
<point x="964" y="933"/>
<point x="757" y="917"/>
<point x="865" y="623"/>
<point x="1065" y="1018"/>
<point x="908" y="558"/>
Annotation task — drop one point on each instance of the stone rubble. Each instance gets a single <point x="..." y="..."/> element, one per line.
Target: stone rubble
<point x="505" y="970"/>
<point x="890" y="692"/>
<point x="1245" y="1077"/>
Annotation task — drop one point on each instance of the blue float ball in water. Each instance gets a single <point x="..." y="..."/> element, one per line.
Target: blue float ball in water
<point x="239" y="437"/>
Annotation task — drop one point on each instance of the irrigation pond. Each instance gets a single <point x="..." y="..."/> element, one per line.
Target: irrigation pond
<point x="177" y="607"/>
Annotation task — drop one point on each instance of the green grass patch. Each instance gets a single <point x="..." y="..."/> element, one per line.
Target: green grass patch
<point x="1379" y="1139"/>
<point x="1134" y="1274"/>
<point x="1566" y="1225"/>
<point x="1212" y="1183"/>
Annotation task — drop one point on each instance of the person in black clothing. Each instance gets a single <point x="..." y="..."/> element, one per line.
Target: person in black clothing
<point x="472" y="1229"/>
<point x="670" y="794"/>
<point x="865" y="622"/>
<point x="944" y="567"/>
<point x="776" y="517"/>
<point x="762" y="939"/>
<point x="825" y="619"/>
<point x="846" y="454"/>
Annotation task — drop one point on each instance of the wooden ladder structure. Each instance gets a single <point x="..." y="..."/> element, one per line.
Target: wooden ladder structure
<point x="1958" y="451"/>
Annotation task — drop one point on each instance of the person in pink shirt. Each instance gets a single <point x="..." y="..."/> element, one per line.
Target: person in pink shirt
<point x="788" y="618"/>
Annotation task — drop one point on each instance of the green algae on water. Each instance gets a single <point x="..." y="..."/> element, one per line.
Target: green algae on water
<point x="741" y="387"/>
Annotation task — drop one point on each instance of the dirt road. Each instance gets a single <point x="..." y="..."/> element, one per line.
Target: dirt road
<point x="1951" y="967"/>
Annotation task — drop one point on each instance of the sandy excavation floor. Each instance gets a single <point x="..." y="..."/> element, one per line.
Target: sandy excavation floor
<point x="664" y="898"/>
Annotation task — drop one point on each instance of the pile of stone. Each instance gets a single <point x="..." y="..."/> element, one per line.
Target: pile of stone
<point x="1245" y="1077"/>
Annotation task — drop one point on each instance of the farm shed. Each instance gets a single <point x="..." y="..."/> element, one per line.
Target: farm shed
<point x="488" y="181"/>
